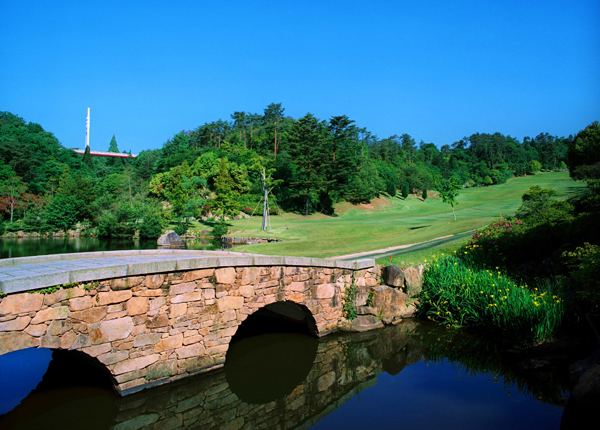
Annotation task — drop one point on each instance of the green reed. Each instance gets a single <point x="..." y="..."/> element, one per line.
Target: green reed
<point x="457" y="294"/>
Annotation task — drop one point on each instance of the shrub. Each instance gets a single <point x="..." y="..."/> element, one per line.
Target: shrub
<point x="152" y="227"/>
<point x="457" y="294"/>
<point x="220" y="229"/>
<point x="181" y="228"/>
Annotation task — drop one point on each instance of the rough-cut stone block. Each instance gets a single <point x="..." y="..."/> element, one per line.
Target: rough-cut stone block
<point x="90" y="316"/>
<point x="177" y="310"/>
<point x="193" y="350"/>
<point x="50" y="342"/>
<point x="225" y="275"/>
<point x="325" y="291"/>
<point x="107" y="331"/>
<point x="112" y="316"/>
<point x="148" y="293"/>
<point x="67" y="340"/>
<point x="228" y="302"/>
<point x="63" y="294"/>
<point x="249" y="275"/>
<point x="146" y="339"/>
<point x="20" y="303"/>
<point x="36" y="330"/>
<point x="51" y="314"/>
<point x="135" y="364"/>
<point x="187" y="297"/>
<point x="16" y="324"/>
<point x="191" y="339"/>
<point x="126" y="283"/>
<point x="136" y="374"/>
<point x="186" y="287"/>
<point x="139" y="422"/>
<point x="228" y="316"/>
<point x="81" y="303"/>
<point x="298" y="286"/>
<point x="159" y="321"/>
<point x="247" y="291"/>
<point x="167" y="343"/>
<point x="113" y="297"/>
<point x="136" y="305"/>
<point x="112" y="358"/>
<point x="96" y="350"/>
<point x="197" y="274"/>
<point x="154" y="281"/>
<point x="157" y="303"/>
<point x="161" y="370"/>
<point x="16" y="340"/>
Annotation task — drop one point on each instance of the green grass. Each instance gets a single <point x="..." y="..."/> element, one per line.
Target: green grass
<point x="428" y="255"/>
<point x="460" y="295"/>
<point x="394" y="221"/>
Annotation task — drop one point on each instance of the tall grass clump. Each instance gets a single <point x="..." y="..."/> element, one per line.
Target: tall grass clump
<point x="457" y="294"/>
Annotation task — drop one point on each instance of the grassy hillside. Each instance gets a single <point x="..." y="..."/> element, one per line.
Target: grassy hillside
<point x="392" y="222"/>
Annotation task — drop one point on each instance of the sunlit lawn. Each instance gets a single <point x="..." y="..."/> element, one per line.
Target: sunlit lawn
<point x="394" y="221"/>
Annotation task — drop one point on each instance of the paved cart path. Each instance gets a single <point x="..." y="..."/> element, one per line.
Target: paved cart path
<point x="405" y="249"/>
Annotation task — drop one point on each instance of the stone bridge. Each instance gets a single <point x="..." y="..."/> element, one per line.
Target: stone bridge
<point x="152" y="317"/>
<point x="334" y="369"/>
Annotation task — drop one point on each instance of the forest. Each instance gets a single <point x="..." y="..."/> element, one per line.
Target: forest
<point x="218" y="170"/>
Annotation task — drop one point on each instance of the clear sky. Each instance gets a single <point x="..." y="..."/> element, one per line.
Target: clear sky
<point x="437" y="70"/>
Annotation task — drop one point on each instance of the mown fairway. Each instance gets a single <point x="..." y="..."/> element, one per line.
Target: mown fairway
<point x="394" y="221"/>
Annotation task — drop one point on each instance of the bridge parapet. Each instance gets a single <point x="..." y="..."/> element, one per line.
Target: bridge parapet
<point x="155" y="317"/>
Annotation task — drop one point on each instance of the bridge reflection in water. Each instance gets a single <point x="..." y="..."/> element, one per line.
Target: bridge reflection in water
<point x="276" y="381"/>
<point x="271" y="381"/>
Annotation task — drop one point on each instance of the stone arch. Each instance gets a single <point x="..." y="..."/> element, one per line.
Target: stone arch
<point x="262" y="369"/>
<point x="94" y="356"/>
<point x="291" y="314"/>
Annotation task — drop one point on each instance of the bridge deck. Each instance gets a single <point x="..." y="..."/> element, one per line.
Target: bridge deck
<point x="31" y="273"/>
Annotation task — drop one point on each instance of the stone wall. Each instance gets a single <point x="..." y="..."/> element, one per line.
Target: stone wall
<point x="343" y="367"/>
<point x="153" y="329"/>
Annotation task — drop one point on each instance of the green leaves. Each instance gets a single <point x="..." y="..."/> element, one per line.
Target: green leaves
<point x="448" y="190"/>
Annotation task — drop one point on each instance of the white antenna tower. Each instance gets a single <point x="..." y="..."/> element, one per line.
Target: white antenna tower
<point x="87" y="130"/>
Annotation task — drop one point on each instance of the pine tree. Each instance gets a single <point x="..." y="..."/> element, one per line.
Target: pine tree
<point x="405" y="190"/>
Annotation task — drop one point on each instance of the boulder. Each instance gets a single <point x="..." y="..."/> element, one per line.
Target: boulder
<point x="413" y="281"/>
<point x="392" y="275"/>
<point x="587" y="390"/>
<point x="362" y="323"/>
<point x="392" y="304"/>
<point x="170" y="238"/>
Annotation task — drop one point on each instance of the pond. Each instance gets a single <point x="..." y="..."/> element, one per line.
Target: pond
<point x="26" y="247"/>
<point x="414" y="375"/>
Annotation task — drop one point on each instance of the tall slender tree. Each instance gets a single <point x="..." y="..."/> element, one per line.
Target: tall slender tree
<point x="274" y="114"/>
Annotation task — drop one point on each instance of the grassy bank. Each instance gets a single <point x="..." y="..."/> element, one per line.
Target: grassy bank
<point x="387" y="222"/>
<point x="458" y="294"/>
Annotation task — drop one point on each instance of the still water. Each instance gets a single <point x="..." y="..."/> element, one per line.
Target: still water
<point x="410" y="376"/>
<point x="12" y="248"/>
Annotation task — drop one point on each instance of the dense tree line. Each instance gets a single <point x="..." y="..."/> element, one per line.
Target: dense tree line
<point x="215" y="170"/>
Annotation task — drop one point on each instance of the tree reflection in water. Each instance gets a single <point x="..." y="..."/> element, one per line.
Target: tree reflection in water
<point x="289" y="381"/>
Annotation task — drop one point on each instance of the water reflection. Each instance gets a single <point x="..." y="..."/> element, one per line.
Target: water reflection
<point x="26" y="247"/>
<point x="294" y="381"/>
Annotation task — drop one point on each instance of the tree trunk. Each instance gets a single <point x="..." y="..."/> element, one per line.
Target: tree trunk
<point x="275" y="146"/>
<point x="306" y="207"/>
<point x="263" y="181"/>
<point x="453" y="214"/>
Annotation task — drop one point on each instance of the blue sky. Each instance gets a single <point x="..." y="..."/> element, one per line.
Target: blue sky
<point x="438" y="70"/>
